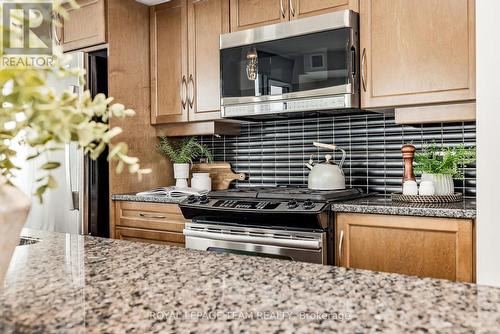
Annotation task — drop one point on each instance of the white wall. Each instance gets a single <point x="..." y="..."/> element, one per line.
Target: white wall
<point x="488" y="141"/>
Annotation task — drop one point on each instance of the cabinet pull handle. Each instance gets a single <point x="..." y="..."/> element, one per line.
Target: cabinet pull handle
<point x="340" y="245"/>
<point x="282" y="9"/>
<point x="363" y="58"/>
<point x="151" y="216"/>
<point x="183" y="92"/>
<point x="191" y="91"/>
<point x="292" y="8"/>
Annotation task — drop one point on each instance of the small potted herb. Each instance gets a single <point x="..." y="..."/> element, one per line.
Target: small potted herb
<point x="182" y="154"/>
<point x="442" y="165"/>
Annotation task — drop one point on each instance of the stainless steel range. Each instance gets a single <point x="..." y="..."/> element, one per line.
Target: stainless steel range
<point x="282" y="222"/>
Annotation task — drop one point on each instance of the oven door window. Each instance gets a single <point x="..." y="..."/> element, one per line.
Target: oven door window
<point x="240" y="252"/>
<point x="289" y="65"/>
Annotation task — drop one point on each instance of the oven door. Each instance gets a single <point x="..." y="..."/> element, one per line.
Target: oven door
<point x="282" y="244"/>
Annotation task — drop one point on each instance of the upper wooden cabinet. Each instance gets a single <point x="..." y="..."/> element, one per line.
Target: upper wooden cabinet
<point x="246" y="14"/>
<point x="185" y="60"/>
<point x="421" y="246"/>
<point x="86" y="26"/>
<point x="169" y="66"/>
<point x="304" y="8"/>
<point x="417" y="52"/>
<point x="207" y="20"/>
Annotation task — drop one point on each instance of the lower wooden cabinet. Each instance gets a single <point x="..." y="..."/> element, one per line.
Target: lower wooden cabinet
<point x="148" y="222"/>
<point x="420" y="246"/>
<point x="151" y="236"/>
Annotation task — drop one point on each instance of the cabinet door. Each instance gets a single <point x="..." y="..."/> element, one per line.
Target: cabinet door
<point x="169" y="62"/>
<point x="86" y="25"/>
<point x="428" y="247"/>
<point x="416" y="52"/>
<point x="207" y="20"/>
<point x="304" y="8"/>
<point x="247" y="14"/>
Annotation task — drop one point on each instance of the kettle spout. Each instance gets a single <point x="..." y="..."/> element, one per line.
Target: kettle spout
<point x="310" y="164"/>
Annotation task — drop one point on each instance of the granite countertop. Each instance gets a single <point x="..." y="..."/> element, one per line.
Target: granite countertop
<point x="377" y="204"/>
<point x="142" y="198"/>
<point x="384" y="205"/>
<point x="75" y="284"/>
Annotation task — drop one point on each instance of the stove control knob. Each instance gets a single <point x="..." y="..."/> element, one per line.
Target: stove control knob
<point x="293" y="204"/>
<point x="308" y="204"/>
<point x="192" y="199"/>
<point x="204" y="199"/>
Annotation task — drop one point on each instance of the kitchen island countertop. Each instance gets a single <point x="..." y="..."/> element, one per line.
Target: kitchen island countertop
<point x="379" y="204"/>
<point x="75" y="284"/>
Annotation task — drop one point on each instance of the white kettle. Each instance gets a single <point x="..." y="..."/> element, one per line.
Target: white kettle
<point x="326" y="175"/>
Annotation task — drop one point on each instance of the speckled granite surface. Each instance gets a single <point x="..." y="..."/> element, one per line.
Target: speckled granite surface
<point x="374" y="204"/>
<point x="75" y="284"/>
<point x="384" y="205"/>
<point x="151" y="199"/>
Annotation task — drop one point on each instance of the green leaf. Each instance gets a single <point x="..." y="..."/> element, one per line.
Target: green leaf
<point x="40" y="191"/>
<point x="50" y="165"/>
<point x="51" y="182"/>
<point x="33" y="156"/>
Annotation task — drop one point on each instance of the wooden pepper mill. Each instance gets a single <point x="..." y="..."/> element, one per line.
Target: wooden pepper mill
<point x="408" y="153"/>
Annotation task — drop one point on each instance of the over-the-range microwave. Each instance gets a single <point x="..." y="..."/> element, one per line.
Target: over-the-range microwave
<point x="297" y="68"/>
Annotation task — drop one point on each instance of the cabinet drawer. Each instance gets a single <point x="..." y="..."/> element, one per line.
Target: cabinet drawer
<point x="150" y="236"/>
<point x="86" y="25"/>
<point x="161" y="217"/>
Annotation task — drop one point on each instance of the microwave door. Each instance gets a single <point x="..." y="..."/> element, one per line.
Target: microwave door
<point x="274" y="75"/>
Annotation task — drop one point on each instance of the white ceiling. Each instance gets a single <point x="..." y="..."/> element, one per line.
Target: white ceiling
<point x="152" y="2"/>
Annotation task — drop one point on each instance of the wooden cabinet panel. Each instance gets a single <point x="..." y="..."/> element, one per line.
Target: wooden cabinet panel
<point x="417" y="52"/>
<point x="207" y="20"/>
<point x="150" y="236"/>
<point x="148" y="222"/>
<point x="86" y="26"/>
<point x="247" y="14"/>
<point x="169" y="62"/>
<point x="304" y="8"/>
<point x="428" y="247"/>
<point x="165" y="217"/>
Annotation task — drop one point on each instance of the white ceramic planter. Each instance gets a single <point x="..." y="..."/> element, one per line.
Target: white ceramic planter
<point x="443" y="184"/>
<point x="181" y="175"/>
<point x="14" y="208"/>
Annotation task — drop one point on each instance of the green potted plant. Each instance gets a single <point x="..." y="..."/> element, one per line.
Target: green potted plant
<point x="182" y="154"/>
<point x="32" y="115"/>
<point x="442" y="165"/>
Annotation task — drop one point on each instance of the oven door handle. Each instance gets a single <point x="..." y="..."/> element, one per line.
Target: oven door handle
<point x="296" y="243"/>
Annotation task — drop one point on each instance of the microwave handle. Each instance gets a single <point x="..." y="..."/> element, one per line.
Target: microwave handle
<point x="353" y="61"/>
<point x="363" y="59"/>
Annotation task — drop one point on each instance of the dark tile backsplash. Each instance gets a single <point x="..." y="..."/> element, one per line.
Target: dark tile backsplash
<point x="274" y="152"/>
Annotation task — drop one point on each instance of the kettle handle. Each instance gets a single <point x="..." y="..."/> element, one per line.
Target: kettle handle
<point x="343" y="157"/>
<point x="332" y="147"/>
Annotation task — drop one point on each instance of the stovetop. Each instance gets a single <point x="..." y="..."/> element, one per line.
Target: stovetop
<point x="287" y="193"/>
<point x="290" y="207"/>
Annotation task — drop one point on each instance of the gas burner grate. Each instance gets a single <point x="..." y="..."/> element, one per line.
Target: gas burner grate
<point x="288" y="193"/>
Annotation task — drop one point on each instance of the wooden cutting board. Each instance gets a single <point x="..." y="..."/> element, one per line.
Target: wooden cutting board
<point x="220" y="173"/>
